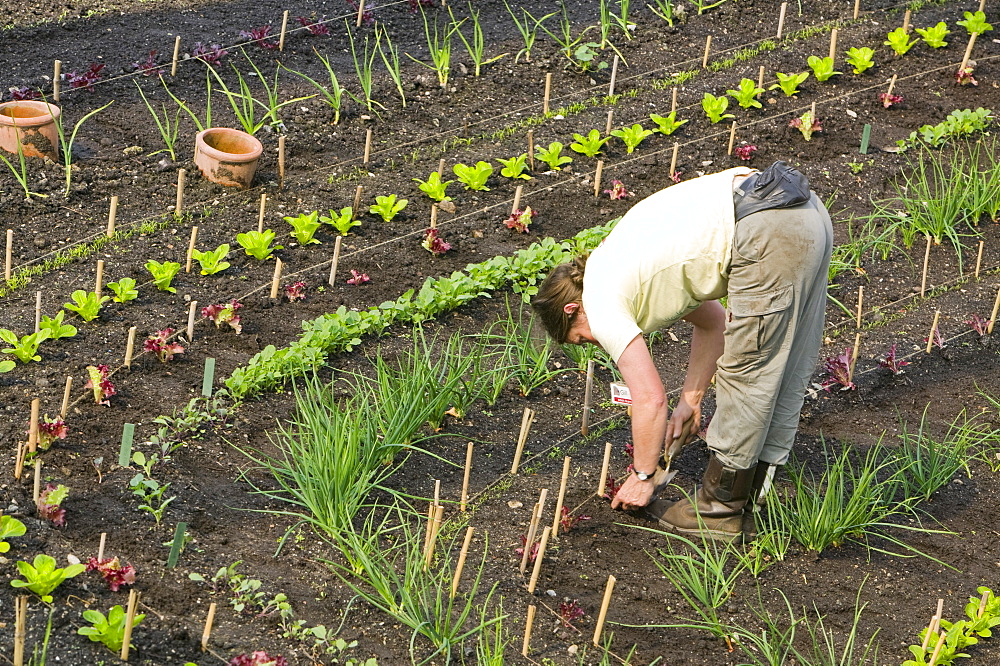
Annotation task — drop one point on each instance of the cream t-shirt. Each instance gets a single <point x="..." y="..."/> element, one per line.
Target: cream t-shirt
<point x="668" y="254"/>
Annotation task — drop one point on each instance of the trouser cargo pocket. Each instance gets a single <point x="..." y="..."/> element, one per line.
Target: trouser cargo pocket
<point x="756" y="326"/>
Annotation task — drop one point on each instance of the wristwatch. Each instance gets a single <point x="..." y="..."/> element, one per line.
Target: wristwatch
<point x="641" y="476"/>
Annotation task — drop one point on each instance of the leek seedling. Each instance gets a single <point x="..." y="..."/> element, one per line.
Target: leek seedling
<point x="332" y="97"/>
<point x="478" y="43"/>
<point x="168" y="129"/>
<point x="528" y="32"/>
<point x="439" y="46"/>
<point x="364" y="67"/>
<point x="392" y="65"/>
<point x="21" y="173"/>
<point x="66" y="145"/>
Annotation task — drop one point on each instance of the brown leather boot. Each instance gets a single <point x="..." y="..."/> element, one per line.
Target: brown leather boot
<point x="717" y="509"/>
<point x="755" y="500"/>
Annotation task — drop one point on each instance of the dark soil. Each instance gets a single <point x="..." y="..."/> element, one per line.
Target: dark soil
<point x="476" y="118"/>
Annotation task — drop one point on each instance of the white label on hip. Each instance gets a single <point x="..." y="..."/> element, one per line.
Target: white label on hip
<point x="620" y="394"/>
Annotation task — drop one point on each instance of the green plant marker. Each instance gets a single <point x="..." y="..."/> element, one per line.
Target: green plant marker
<point x="125" y="453"/>
<point x="175" y="547"/>
<point x="206" y="381"/>
<point x="866" y="136"/>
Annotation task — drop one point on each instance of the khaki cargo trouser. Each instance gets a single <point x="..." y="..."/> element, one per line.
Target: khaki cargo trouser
<point x="774" y="326"/>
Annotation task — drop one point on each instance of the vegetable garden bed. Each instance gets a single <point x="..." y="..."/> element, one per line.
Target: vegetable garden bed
<point x="284" y="572"/>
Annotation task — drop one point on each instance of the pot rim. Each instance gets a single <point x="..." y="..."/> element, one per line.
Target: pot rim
<point x="214" y="153"/>
<point x="50" y="113"/>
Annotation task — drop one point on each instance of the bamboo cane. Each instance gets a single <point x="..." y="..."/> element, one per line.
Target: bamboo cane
<point x="517" y="199"/>
<point x="192" y="310"/>
<point x="461" y="560"/>
<point x="8" y="255"/>
<point x="604" y="609"/>
<point x="561" y="498"/>
<point x="276" y="279"/>
<point x="177" y="54"/>
<point x="588" y="393"/>
<point x="708" y="51"/>
<point x="66" y="395"/>
<point x="968" y="51"/>
<point x="548" y="92"/>
<point x="607" y="125"/>
<point x="22" y="451"/>
<point x="361" y="13"/>
<point x="597" y="177"/>
<point x="930" y="336"/>
<point x="531" y="150"/>
<point x="56" y="80"/>
<point x="36" y="488"/>
<point x="923" y="275"/>
<point x="857" y="9"/>
<point x="603" y="481"/>
<point x="38" y="311"/>
<point x="33" y="425"/>
<point x="861" y="300"/>
<point x="368" y="146"/>
<point x="781" y="19"/>
<point x="429" y="555"/>
<point x="190" y="252"/>
<point x="357" y="201"/>
<point x="906" y="21"/>
<point x="281" y="162"/>
<point x="979" y="259"/>
<point x="20" y="628"/>
<point x="538" y="559"/>
<point x="133" y="603"/>
<point x="130" y="347"/>
<point x="465" y="478"/>
<point x="527" y="630"/>
<point x="614" y="76"/>
<point x="673" y="160"/>
<point x="207" y="631"/>
<point x="99" y="277"/>
<point x="112" y="215"/>
<point x="833" y="44"/>
<point x="993" y="315"/>
<point x="854" y="356"/>
<point x="179" y="203"/>
<point x="732" y="139"/>
<point x="982" y="604"/>
<point x="336" y="260"/>
<point x="441" y="167"/>
<point x="536" y="514"/>
<point x="260" y="215"/>
<point x="760" y="77"/>
<point x="892" y="85"/>
<point x="100" y="546"/>
<point x="284" y="28"/>
<point x="526" y="418"/>
<point x="937" y="649"/>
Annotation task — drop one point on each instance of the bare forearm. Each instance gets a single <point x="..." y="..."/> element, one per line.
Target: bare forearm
<point x="649" y="425"/>
<point x="707" y="343"/>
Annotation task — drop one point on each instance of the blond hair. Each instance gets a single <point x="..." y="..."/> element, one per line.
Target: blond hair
<point x="563" y="285"/>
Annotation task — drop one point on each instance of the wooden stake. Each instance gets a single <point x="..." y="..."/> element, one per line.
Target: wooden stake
<point x="861" y="300"/>
<point x="923" y="277"/>
<point x="112" y="214"/>
<point x="431" y="510"/>
<point x="361" y="13"/>
<point x="179" y="204"/>
<point x="192" y="310"/>
<point x="276" y="280"/>
<point x="531" y="150"/>
<point x="927" y="634"/>
<point x="100" y="546"/>
<point x="708" y="50"/>
<point x="130" y="347"/>
<point x="522" y="436"/>
<point x="597" y="177"/>
<point x="20" y="628"/>
<point x="281" y="162"/>
<point x="548" y="91"/>
<point x="527" y="630"/>
<point x="937" y="650"/>
<point x="930" y="336"/>
<point x="22" y="451"/>
<point x="982" y="5"/>
<point x="760" y="77"/>
<point x="561" y="497"/>
<point x="587" y="397"/>
<point x="208" y="627"/>
<point x="465" y="478"/>
<point x="536" y="514"/>
<point x="260" y="215"/>
<point x="66" y="394"/>
<point x="517" y="199"/>
<point x="56" y="83"/>
<point x="892" y="84"/>
<point x="33" y="425"/>
<point x="732" y="138"/>
<point x="284" y="28"/>
<point x="177" y="53"/>
<point x="968" y="51"/>
<point x="441" y="167"/>
<point x="429" y="555"/>
<point x="336" y="260"/>
<point x="984" y="599"/>
<point x="36" y="489"/>
<point x="812" y="110"/>
<point x="461" y="560"/>
<point x="993" y="316"/>
<point x="99" y="277"/>
<point x="857" y="9"/>
<point x="434" y="216"/>
<point x="357" y="201"/>
<point x="604" y="609"/>
<point x="781" y="19"/>
<point x="614" y="76"/>
<point x="38" y="311"/>
<point x="979" y="259"/>
<point x="190" y="253"/>
<point x="607" y="125"/>
<point x="854" y="356"/>
<point x="133" y="603"/>
<point x="603" y="482"/>
<point x="673" y="160"/>
<point x="906" y="21"/>
<point x="538" y="559"/>
<point x="8" y="255"/>
<point x="368" y="146"/>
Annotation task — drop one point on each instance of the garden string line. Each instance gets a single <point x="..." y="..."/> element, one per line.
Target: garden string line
<point x="820" y="26"/>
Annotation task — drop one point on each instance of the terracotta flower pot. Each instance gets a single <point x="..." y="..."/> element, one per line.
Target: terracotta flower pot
<point x="31" y="123"/>
<point x="227" y="156"/>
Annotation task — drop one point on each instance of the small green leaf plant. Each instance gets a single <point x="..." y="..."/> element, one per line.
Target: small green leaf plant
<point x="304" y="227"/>
<point x="899" y="41"/>
<point x="474" y="177"/>
<point x="163" y="274"/>
<point x="343" y="221"/>
<point x="632" y="136"/>
<point x="7" y="366"/>
<point x="861" y="59"/>
<point x="975" y="23"/>
<point x="387" y="207"/>
<point x="108" y="630"/>
<point x="807" y="124"/>
<point x="789" y="83"/>
<point x="257" y="244"/>
<point x="934" y="35"/>
<point x="434" y="187"/>
<point x="212" y="261"/>
<point x="150" y="493"/>
<point x="55" y="326"/>
<point x="822" y="67"/>
<point x="124" y="290"/>
<point x="514" y="167"/>
<point x="25" y="348"/>
<point x="746" y="94"/>
<point x="552" y="156"/>
<point x="715" y="107"/>
<point x="668" y="124"/>
<point x="42" y="576"/>
<point x="10" y="527"/>
<point x="87" y="304"/>
<point x="589" y="145"/>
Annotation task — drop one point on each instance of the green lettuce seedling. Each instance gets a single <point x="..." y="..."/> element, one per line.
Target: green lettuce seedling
<point x="589" y="145"/>
<point x="747" y="94"/>
<point x="434" y="187"/>
<point x="212" y="261"/>
<point x="474" y="177"/>
<point x="715" y="107"/>
<point x="899" y="41"/>
<point x="42" y="576"/>
<point x="163" y="274"/>
<point x="387" y="207"/>
<point x="25" y="349"/>
<point x="860" y="58"/>
<point x="668" y="124"/>
<point x="789" y="83"/>
<point x="257" y="244"/>
<point x="304" y="227"/>
<point x="514" y="167"/>
<point x="55" y="326"/>
<point x="343" y="221"/>
<point x="975" y="23"/>
<point x="10" y="527"/>
<point x="108" y="630"/>
<point x="632" y="136"/>
<point x="822" y="67"/>
<point x="934" y="36"/>
<point x="124" y="290"/>
<point x="87" y="304"/>
<point x="552" y="156"/>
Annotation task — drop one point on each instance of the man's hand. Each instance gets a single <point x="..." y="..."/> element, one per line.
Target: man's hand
<point x="684" y="423"/>
<point x="634" y="494"/>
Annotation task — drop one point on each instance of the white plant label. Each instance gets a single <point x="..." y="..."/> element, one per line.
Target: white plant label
<point x="620" y="394"/>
